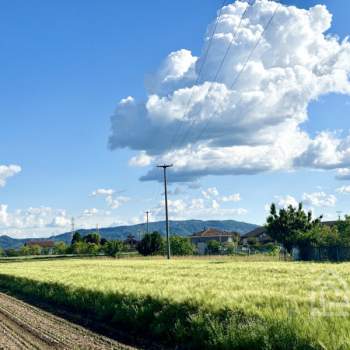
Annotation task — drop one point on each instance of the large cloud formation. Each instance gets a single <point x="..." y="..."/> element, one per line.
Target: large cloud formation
<point x="243" y="115"/>
<point x="210" y="204"/>
<point x="32" y="221"/>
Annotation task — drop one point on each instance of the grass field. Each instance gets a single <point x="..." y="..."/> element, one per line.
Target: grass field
<point x="200" y="303"/>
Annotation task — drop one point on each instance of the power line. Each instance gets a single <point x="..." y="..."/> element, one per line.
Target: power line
<point x="234" y="36"/>
<point x="215" y="77"/>
<point x="204" y="59"/>
<point x="156" y="193"/>
<point x="205" y="56"/>
<point x="254" y="48"/>
<point x="243" y="68"/>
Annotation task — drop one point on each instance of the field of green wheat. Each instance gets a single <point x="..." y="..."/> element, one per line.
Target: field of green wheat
<point x="200" y="303"/>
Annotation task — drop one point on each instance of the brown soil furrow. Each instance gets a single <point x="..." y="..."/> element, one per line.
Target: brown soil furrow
<point x="29" y="325"/>
<point x="26" y="327"/>
<point x="13" y="337"/>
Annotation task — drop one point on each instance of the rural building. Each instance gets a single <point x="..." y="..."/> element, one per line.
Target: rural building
<point x="45" y="245"/>
<point x="200" y="239"/>
<point x="258" y="235"/>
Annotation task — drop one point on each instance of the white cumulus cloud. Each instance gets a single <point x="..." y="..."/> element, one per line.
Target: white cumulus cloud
<point x="210" y="205"/>
<point x="210" y="192"/>
<point x="198" y="208"/>
<point x="103" y="192"/>
<point x="61" y="221"/>
<point x="113" y="201"/>
<point x="236" y="197"/>
<point x="3" y="215"/>
<point x="343" y="174"/>
<point x="285" y="201"/>
<point x="141" y="160"/>
<point x="319" y="199"/>
<point x="247" y="118"/>
<point x="90" y="212"/>
<point x="32" y="221"/>
<point x="7" y="171"/>
<point x="344" y="189"/>
<point x="46" y="221"/>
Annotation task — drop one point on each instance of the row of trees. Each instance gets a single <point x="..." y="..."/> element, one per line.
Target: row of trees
<point x="294" y="227"/>
<point x="35" y="249"/>
<point x="154" y="244"/>
<point x="290" y="227"/>
<point x="151" y="244"/>
<point x="93" y="244"/>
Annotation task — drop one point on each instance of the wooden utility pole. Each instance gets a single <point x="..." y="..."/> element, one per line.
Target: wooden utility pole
<point x="147" y="217"/>
<point x="165" y="166"/>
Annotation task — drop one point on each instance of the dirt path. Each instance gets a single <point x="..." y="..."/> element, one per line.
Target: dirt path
<point x="23" y="326"/>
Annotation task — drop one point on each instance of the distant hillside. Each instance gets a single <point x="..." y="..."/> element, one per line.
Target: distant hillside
<point x="8" y="242"/>
<point x="183" y="228"/>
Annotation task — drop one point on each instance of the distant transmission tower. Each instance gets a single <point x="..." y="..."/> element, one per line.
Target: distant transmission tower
<point x="97" y="229"/>
<point x="339" y="212"/>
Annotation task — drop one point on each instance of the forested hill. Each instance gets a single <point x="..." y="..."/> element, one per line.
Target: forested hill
<point x="183" y="228"/>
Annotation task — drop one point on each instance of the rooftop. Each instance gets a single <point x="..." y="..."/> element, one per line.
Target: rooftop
<point x="42" y="244"/>
<point x="212" y="232"/>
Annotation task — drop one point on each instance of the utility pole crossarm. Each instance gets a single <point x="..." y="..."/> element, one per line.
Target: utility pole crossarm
<point x="165" y="166"/>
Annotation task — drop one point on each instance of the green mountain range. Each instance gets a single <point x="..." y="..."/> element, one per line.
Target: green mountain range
<point x="183" y="228"/>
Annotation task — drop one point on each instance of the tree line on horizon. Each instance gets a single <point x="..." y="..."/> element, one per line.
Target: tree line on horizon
<point x="289" y="228"/>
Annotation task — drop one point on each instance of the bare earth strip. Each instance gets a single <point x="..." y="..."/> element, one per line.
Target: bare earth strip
<point x="23" y="326"/>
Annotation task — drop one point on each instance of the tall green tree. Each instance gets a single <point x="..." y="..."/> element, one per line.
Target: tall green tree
<point x="92" y="248"/>
<point x="34" y="249"/>
<point x="60" y="248"/>
<point x="94" y="238"/>
<point x="76" y="237"/>
<point x="213" y="247"/>
<point x="288" y="225"/>
<point x="79" y="247"/>
<point x="343" y="227"/>
<point x="113" y="248"/>
<point x="11" y="252"/>
<point x="181" y="245"/>
<point x="151" y="244"/>
<point x="103" y="241"/>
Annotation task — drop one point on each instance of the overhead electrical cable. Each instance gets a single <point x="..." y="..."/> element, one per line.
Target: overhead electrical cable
<point x="205" y="56"/>
<point x="198" y="78"/>
<point x="242" y="69"/>
<point x="234" y="36"/>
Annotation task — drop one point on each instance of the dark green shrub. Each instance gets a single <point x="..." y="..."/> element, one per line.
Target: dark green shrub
<point x="151" y="244"/>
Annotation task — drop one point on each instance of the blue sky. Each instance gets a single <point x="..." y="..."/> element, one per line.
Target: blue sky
<point x="65" y="67"/>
